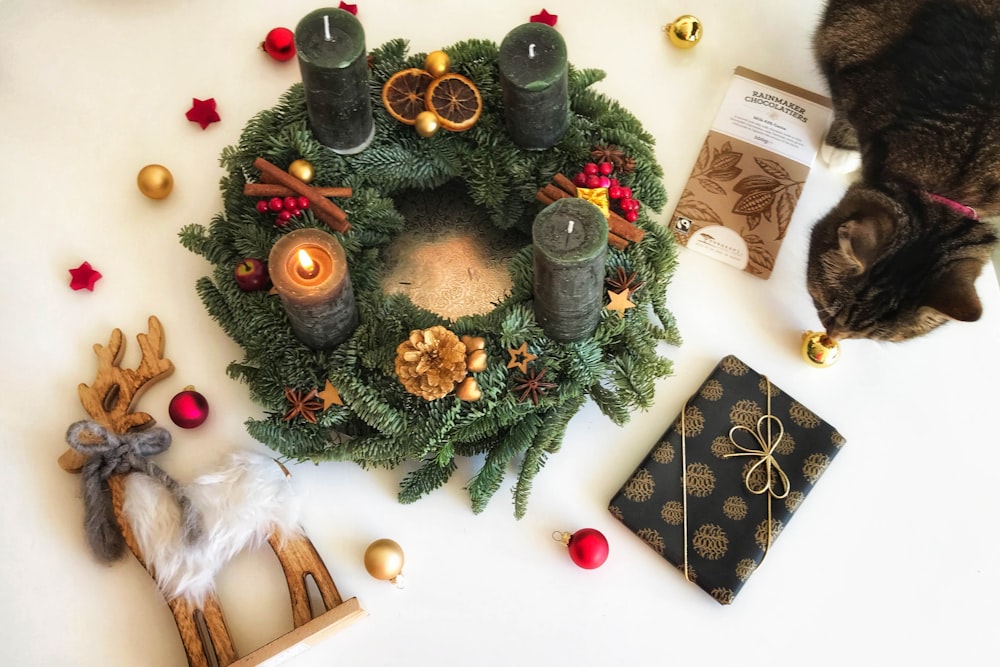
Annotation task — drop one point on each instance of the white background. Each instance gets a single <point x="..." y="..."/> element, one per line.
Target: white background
<point x="891" y="561"/>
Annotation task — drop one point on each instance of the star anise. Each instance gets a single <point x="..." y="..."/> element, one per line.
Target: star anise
<point x="531" y="384"/>
<point x="607" y="153"/>
<point x="622" y="281"/>
<point x="304" y="404"/>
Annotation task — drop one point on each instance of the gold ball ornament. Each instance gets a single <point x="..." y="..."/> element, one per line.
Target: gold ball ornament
<point x="476" y="361"/>
<point x="302" y="170"/>
<point x="155" y="181"/>
<point x="384" y="559"/>
<point x="819" y="350"/>
<point x="684" y="32"/>
<point x="427" y="124"/>
<point x="437" y="63"/>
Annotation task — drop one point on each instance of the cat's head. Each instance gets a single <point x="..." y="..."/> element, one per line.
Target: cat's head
<point x="893" y="266"/>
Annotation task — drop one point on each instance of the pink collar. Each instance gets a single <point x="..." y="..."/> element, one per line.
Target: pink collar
<point x="961" y="209"/>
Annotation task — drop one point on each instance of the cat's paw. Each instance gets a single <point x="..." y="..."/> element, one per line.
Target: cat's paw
<point x="840" y="160"/>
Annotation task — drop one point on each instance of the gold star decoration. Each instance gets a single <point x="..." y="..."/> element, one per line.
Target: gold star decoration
<point x="330" y="396"/>
<point x="304" y="404"/>
<point x="520" y="357"/>
<point x="619" y="302"/>
<point x="596" y="196"/>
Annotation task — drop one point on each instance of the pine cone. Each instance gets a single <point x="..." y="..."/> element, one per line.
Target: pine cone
<point x="430" y="362"/>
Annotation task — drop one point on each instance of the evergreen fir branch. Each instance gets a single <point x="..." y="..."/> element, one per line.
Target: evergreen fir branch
<point x="487" y="481"/>
<point x="428" y="477"/>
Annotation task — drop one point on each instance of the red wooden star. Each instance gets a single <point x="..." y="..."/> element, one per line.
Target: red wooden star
<point x="349" y="8"/>
<point x="84" y="277"/>
<point x="203" y="112"/>
<point x="546" y="18"/>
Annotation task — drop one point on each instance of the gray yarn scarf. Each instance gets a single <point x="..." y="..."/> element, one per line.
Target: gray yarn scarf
<point x="112" y="454"/>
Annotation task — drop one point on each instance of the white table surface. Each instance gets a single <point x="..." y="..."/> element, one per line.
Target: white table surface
<point x="892" y="561"/>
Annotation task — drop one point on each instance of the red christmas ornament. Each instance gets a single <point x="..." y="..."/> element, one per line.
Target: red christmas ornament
<point x="203" y="112"/>
<point x="84" y="277"/>
<point x="546" y="18"/>
<point x="588" y="547"/>
<point x="188" y="408"/>
<point x="279" y="44"/>
<point x="348" y="8"/>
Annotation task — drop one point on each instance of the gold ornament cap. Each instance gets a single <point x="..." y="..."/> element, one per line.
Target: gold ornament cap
<point x="384" y="560"/>
<point x="819" y="350"/>
<point x="684" y="32"/>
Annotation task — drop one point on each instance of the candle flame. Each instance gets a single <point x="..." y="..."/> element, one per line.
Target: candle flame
<point x="307" y="267"/>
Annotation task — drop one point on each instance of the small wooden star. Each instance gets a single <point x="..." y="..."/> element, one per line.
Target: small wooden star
<point x="520" y="357"/>
<point x="203" y="112"/>
<point x="531" y="384"/>
<point x="619" y="302"/>
<point x="330" y="396"/>
<point x="304" y="404"/>
<point x="546" y="18"/>
<point x="84" y="277"/>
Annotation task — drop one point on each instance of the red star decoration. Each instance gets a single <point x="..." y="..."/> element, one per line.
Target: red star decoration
<point x="84" y="277"/>
<point x="203" y="112"/>
<point x="349" y="8"/>
<point x="546" y="18"/>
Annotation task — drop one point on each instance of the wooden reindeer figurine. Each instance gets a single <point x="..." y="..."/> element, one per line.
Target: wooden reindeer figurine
<point x="111" y="452"/>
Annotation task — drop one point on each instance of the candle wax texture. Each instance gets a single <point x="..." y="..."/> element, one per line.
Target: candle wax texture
<point x="569" y="268"/>
<point x="334" y="64"/>
<point x="320" y="304"/>
<point x="534" y="77"/>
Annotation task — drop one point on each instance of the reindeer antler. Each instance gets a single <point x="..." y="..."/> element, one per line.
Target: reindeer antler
<point x="111" y="397"/>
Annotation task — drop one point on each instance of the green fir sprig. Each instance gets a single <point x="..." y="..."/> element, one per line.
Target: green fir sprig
<point x="380" y="424"/>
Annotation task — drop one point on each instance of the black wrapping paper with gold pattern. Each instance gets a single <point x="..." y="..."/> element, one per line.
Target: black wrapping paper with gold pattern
<point x="731" y="477"/>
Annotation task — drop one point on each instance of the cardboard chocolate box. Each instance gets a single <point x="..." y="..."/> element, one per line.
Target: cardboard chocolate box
<point x="744" y="450"/>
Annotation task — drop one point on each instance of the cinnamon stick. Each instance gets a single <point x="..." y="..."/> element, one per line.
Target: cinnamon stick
<point x="624" y="228"/>
<point x="322" y="207"/>
<point x="554" y="193"/>
<point x="565" y="184"/>
<point x="274" y="190"/>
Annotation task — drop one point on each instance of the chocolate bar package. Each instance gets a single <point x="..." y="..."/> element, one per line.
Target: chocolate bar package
<point x="745" y="451"/>
<point x="739" y="199"/>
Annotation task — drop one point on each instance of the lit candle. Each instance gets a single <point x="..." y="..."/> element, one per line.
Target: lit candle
<point x="309" y="271"/>
<point x="334" y="63"/>
<point x="570" y="242"/>
<point x="534" y="78"/>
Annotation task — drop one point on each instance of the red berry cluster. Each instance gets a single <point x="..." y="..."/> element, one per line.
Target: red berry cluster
<point x="286" y="208"/>
<point x="598" y="175"/>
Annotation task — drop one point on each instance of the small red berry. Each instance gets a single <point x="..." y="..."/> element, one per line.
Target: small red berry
<point x="605" y="182"/>
<point x="262" y="206"/>
<point x="615" y="191"/>
<point x="590" y="169"/>
<point x="290" y="202"/>
<point x="614" y="181"/>
<point x="631" y="216"/>
<point x="275" y="204"/>
<point x="605" y="168"/>
<point x="303" y="203"/>
<point x="593" y="181"/>
<point x="626" y="192"/>
<point x="580" y="180"/>
<point x="285" y="215"/>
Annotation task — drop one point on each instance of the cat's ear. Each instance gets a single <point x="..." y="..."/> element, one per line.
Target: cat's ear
<point x="860" y="241"/>
<point x="954" y="292"/>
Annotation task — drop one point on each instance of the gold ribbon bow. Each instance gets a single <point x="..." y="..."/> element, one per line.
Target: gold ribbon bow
<point x="596" y="196"/>
<point x="766" y="443"/>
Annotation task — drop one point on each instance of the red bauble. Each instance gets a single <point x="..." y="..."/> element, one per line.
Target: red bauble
<point x="280" y="44"/>
<point x="188" y="409"/>
<point x="588" y="548"/>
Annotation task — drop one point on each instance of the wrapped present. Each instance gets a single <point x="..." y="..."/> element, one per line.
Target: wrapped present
<point x="724" y="480"/>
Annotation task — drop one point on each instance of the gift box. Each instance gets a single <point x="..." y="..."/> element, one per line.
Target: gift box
<point x="747" y="454"/>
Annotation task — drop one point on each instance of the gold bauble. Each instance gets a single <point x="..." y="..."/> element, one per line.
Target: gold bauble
<point x="384" y="559"/>
<point x="302" y="170"/>
<point x="476" y="361"/>
<point x="684" y="32"/>
<point x="155" y="181"/>
<point x="468" y="390"/>
<point x="427" y="124"/>
<point x="474" y="342"/>
<point x="437" y="63"/>
<point x="819" y="350"/>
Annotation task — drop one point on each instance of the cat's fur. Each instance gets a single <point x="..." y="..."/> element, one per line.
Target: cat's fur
<point x="916" y="89"/>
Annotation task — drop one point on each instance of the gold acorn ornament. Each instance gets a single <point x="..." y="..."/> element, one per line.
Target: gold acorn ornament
<point x="684" y="32"/>
<point x="427" y="124"/>
<point x="384" y="560"/>
<point x="302" y="170"/>
<point x="819" y="350"/>
<point x="437" y="63"/>
<point x="155" y="181"/>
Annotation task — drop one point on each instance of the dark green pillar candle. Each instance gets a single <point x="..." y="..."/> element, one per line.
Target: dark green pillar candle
<point x="534" y="78"/>
<point x="570" y="238"/>
<point x="330" y="44"/>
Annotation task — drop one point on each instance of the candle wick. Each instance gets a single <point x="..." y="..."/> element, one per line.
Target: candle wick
<point x="569" y="227"/>
<point x="326" y="28"/>
<point x="531" y="50"/>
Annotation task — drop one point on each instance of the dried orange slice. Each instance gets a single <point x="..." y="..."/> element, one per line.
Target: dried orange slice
<point x="403" y="94"/>
<point x="455" y="100"/>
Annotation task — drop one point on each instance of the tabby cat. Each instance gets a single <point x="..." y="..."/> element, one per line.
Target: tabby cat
<point x="915" y="86"/>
